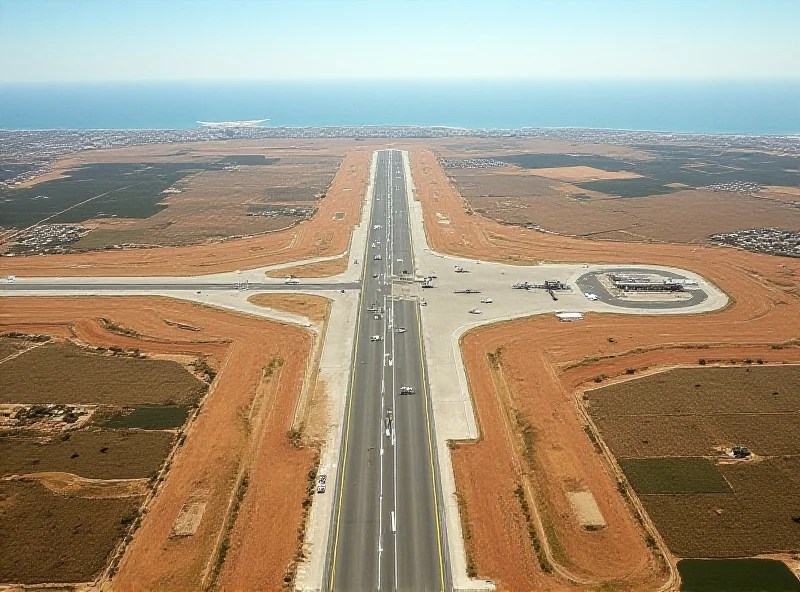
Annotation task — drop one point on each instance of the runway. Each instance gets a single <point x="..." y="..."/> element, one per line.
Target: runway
<point x="387" y="527"/>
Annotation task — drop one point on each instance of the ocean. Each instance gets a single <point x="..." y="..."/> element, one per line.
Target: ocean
<point x="732" y="107"/>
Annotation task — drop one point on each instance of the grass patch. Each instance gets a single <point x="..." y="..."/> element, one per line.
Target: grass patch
<point x="736" y="575"/>
<point x="46" y="537"/>
<point x="65" y="373"/>
<point x="673" y="475"/>
<point x="164" y="417"/>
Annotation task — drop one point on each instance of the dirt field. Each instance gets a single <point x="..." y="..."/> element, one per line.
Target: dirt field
<point x="328" y="233"/>
<point x="316" y="308"/>
<point x="247" y="412"/>
<point x="543" y="362"/>
<point x="312" y="270"/>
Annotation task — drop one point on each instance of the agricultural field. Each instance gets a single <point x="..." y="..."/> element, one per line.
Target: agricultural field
<point x="736" y="575"/>
<point x="84" y="433"/>
<point x="47" y="537"/>
<point x="66" y="373"/>
<point x="672" y="434"/>
<point x="652" y="193"/>
<point x="171" y="197"/>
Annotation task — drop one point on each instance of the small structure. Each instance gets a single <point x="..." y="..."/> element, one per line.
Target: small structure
<point x="740" y="452"/>
<point x="569" y="316"/>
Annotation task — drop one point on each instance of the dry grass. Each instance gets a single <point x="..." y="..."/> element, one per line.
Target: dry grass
<point x="47" y="537"/>
<point x="90" y="453"/>
<point x="315" y="308"/>
<point x="65" y="373"/>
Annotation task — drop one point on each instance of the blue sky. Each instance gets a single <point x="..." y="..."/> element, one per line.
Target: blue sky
<point x="106" y="40"/>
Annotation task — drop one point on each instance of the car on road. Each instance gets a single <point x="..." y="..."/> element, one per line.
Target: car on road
<point x="406" y="390"/>
<point x="486" y="300"/>
<point x="374" y="275"/>
<point x="400" y="330"/>
<point x="423" y="303"/>
<point x="292" y="281"/>
<point x="476" y="311"/>
<point x="377" y="258"/>
<point x="376" y="338"/>
<point x="321" y="483"/>
<point x="376" y="227"/>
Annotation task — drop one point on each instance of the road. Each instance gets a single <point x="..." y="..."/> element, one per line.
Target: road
<point x="387" y="527"/>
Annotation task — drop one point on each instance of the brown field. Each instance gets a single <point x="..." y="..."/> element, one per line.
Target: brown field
<point x="312" y="270"/>
<point x="543" y="362"/>
<point x="94" y="453"/>
<point x="316" y="308"/>
<point x="47" y="537"/>
<point x="65" y="373"/>
<point x="701" y="413"/>
<point x="779" y="193"/>
<point x="241" y="428"/>
<point x="324" y="235"/>
<point x="579" y="174"/>
<point x="523" y="198"/>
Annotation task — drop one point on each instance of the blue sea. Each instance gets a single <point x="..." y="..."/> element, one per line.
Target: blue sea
<point x="734" y="107"/>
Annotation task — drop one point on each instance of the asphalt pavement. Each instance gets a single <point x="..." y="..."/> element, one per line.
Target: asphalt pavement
<point x="387" y="531"/>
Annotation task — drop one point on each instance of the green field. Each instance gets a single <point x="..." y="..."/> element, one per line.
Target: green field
<point x="164" y="417"/>
<point x="673" y="475"/>
<point x="736" y="575"/>
<point x="693" y="166"/>
<point x="123" y="190"/>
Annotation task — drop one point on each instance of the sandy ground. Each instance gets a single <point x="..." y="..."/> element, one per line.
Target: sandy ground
<point x="328" y="233"/>
<point x="579" y="174"/>
<point x="316" y="308"/>
<point x="318" y="269"/>
<point x="542" y="364"/>
<point x="221" y="438"/>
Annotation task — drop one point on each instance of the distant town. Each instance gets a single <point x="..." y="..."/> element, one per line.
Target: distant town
<point x="25" y="155"/>
<point x="772" y="241"/>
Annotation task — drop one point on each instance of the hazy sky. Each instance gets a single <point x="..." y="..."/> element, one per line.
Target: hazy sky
<point x="98" y="40"/>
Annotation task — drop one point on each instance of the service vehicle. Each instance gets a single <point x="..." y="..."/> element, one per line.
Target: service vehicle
<point x="590" y="296"/>
<point x="423" y="303"/>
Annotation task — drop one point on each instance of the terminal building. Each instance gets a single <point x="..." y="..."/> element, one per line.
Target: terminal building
<point x="643" y="283"/>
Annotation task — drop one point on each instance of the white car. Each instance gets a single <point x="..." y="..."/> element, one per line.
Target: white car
<point x="423" y="303"/>
<point x="378" y="257"/>
<point x="590" y="296"/>
<point x="292" y="281"/>
<point x="376" y="338"/>
<point x="406" y="390"/>
<point x="376" y="227"/>
<point x="475" y="311"/>
<point x="486" y="301"/>
<point x="400" y="330"/>
<point x="321" y="482"/>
